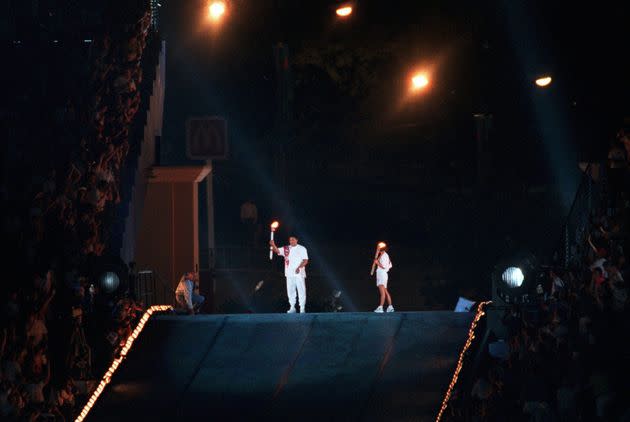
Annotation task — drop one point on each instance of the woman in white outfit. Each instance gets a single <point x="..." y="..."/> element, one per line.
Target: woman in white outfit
<point x="384" y="264"/>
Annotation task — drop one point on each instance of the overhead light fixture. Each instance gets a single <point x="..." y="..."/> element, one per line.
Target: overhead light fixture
<point x="217" y="10"/>
<point x="344" y="11"/>
<point x="419" y="81"/>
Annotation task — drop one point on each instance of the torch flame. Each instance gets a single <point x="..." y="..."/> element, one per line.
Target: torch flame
<point x="381" y="245"/>
<point x="274" y="225"/>
<point x="344" y="11"/>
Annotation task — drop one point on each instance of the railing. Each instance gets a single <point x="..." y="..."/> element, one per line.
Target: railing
<point x="151" y="290"/>
<point x="575" y="231"/>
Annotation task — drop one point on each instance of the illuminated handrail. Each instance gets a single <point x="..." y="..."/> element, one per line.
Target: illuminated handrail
<point x="161" y="308"/>
<point x="117" y="361"/>
<point x="471" y="337"/>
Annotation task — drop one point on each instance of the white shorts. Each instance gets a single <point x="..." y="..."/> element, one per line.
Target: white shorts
<point x="381" y="278"/>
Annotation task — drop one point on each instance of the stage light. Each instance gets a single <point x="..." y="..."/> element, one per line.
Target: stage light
<point x="543" y="81"/>
<point x="419" y="81"/>
<point x="344" y="11"/>
<point x="109" y="282"/>
<point x="217" y="10"/>
<point x="513" y="277"/>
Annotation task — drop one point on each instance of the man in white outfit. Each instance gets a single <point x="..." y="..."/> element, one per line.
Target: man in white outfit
<point x="295" y="260"/>
<point x="384" y="264"/>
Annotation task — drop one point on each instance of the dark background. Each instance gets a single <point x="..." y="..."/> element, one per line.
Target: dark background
<point x="364" y="159"/>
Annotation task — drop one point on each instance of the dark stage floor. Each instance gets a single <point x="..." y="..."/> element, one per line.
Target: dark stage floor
<point x="333" y="366"/>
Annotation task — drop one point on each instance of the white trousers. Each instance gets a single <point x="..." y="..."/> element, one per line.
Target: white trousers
<point x="296" y="283"/>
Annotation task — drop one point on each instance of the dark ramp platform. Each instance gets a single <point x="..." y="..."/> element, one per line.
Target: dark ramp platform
<point x="334" y="366"/>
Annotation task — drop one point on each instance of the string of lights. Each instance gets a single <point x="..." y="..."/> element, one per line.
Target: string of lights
<point x="116" y="363"/>
<point x="471" y="337"/>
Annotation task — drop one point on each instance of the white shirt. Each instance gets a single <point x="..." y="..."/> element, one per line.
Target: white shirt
<point x="385" y="262"/>
<point x="295" y="257"/>
<point x="185" y="288"/>
<point x="600" y="264"/>
<point x="557" y="284"/>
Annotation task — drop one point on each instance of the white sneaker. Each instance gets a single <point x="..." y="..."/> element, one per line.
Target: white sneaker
<point x="302" y="309"/>
<point x="390" y="308"/>
<point x="379" y="310"/>
<point x="291" y="310"/>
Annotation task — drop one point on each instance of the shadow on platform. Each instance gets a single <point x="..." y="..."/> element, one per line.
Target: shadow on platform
<point x="332" y="366"/>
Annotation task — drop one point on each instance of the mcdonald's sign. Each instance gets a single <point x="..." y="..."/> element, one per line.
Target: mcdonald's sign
<point x="206" y="138"/>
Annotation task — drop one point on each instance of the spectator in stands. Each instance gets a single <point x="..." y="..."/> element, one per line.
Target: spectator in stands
<point x="15" y="402"/>
<point x="11" y="312"/>
<point x="63" y="398"/>
<point x="36" y="382"/>
<point x="36" y="331"/>
<point x="557" y="285"/>
<point x="50" y="185"/>
<point x="623" y="267"/>
<point x="567" y="400"/>
<point x="5" y="405"/>
<point x="535" y="394"/>
<point x="185" y="294"/>
<point x="598" y="276"/>
<point x="513" y="320"/>
<point x="601" y="255"/>
<point x="617" y="170"/>
<point x="12" y="367"/>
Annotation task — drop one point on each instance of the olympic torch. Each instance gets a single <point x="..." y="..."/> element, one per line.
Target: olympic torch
<point x="380" y="246"/>
<point x="274" y="227"/>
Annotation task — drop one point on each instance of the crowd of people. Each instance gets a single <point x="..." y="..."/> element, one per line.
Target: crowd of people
<point x="54" y="345"/>
<point x="85" y="205"/>
<point x="563" y="356"/>
<point x="61" y="326"/>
